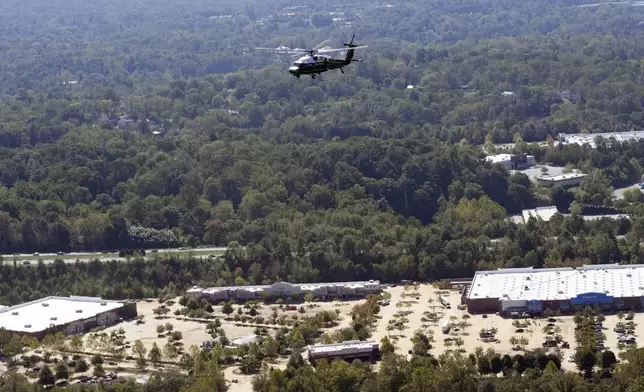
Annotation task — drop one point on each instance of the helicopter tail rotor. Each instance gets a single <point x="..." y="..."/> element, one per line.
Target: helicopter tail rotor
<point x="351" y="44"/>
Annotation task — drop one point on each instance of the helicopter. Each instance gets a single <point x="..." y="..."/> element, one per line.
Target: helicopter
<point x="316" y="62"/>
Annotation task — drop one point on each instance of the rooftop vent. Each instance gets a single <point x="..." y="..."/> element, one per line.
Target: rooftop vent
<point x="45" y="304"/>
<point x="54" y="318"/>
<point x="526" y="288"/>
<point x="79" y="310"/>
<point x="27" y="325"/>
<point x="559" y="292"/>
<point x="103" y="303"/>
<point x="629" y="275"/>
<point x="14" y="313"/>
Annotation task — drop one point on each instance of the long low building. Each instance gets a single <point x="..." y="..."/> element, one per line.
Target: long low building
<point x="285" y="289"/>
<point x="563" y="180"/>
<point x="70" y="315"/>
<point x="348" y="351"/>
<point x="589" y="138"/>
<point x="567" y="290"/>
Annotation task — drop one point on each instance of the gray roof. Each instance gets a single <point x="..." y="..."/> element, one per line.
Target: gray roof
<point x="558" y="283"/>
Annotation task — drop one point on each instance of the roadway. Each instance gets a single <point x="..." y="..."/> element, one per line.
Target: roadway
<point x="86" y="257"/>
<point x="619" y="192"/>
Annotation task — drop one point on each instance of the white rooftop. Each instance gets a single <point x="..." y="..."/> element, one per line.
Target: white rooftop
<point x="286" y="286"/>
<point x="498" y="158"/>
<point x="40" y="314"/>
<point x="240" y="341"/>
<point x="561" y="177"/>
<point x="344" y="348"/>
<point x="558" y="283"/>
<point x="589" y="138"/>
<point x="544" y="213"/>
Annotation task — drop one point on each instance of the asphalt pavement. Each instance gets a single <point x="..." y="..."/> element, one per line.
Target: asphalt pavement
<point x="86" y="257"/>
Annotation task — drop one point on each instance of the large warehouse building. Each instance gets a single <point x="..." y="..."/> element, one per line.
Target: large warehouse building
<point x="285" y="289"/>
<point x="70" y="315"/>
<point x="607" y="286"/>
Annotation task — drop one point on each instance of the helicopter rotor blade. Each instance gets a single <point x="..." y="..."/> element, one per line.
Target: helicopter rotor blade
<point x="339" y="49"/>
<point x="320" y="45"/>
<point x="283" y="51"/>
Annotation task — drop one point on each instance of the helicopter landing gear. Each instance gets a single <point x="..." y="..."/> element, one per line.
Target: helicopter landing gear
<point x="312" y="76"/>
<point x="341" y="70"/>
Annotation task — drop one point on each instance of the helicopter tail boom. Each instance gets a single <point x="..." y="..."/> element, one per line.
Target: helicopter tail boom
<point x="351" y="51"/>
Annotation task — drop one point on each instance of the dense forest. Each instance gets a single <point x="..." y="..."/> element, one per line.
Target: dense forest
<point x="111" y="138"/>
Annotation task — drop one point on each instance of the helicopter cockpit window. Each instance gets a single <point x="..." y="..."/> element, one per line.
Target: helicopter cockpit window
<point x="315" y="58"/>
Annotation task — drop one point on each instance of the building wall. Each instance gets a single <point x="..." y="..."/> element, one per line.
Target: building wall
<point x="483" y="305"/>
<point x="629" y="303"/>
<point x="568" y="182"/>
<point x="365" y="357"/>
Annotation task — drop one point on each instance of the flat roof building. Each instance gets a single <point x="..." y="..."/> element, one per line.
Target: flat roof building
<point x="511" y="161"/>
<point x="69" y="315"/>
<point x="608" y="286"/>
<point x="589" y="138"/>
<point x="285" y="289"/>
<point x="348" y="351"/>
<point x="563" y="180"/>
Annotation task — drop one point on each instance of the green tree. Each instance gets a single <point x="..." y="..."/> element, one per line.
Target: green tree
<point x="81" y="366"/>
<point x="155" y="354"/>
<point x="76" y="344"/>
<point x="227" y="309"/>
<point x="97" y="360"/>
<point x="170" y="351"/>
<point x="46" y="377"/>
<point x="386" y="347"/>
<point x="139" y="351"/>
<point x="62" y="373"/>
<point x="270" y="347"/>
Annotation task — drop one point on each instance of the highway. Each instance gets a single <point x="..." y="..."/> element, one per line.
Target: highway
<point x="86" y="257"/>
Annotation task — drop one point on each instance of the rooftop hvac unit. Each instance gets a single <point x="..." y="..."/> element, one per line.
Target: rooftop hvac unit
<point x="54" y="318"/>
<point x="79" y="310"/>
<point x="27" y="325"/>
<point x="103" y="303"/>
<point x="14" y="313"/>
